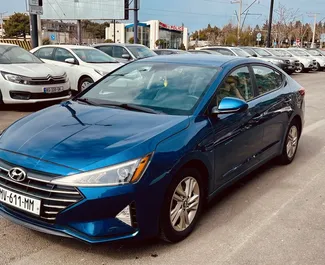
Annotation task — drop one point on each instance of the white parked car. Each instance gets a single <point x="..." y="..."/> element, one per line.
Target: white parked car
<point x="83" y="64"/>
<point x="24" y="78"/>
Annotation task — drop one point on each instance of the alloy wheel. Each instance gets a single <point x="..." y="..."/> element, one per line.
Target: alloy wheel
<point x="84" y="85"/>
<point x="292" y="141"/>
<point x="184" y="204"/>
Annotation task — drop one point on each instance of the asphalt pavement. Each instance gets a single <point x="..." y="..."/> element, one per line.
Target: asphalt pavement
<point x="274" y="216"/>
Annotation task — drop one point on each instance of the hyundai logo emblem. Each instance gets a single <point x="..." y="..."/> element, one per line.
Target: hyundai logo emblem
<point x="17" y="174"/>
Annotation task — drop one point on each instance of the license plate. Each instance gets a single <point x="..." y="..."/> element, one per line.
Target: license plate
<point x="51" y="90"/>
<point x="19" y="201"/>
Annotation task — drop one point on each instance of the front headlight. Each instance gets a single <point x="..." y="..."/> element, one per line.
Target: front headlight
<point x="276" y="61"/>
<point x="128" y="172"/>
<point x="102" y="73"/>
<point x="16" y="78"/>
<point x="66" y="78"/>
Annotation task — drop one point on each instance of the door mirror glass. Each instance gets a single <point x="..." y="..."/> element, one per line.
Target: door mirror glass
<point x="230" y="105"/>
<point x="254" y="55"/>
<point x="126" y="56"/>
<point x="70" y="60"/>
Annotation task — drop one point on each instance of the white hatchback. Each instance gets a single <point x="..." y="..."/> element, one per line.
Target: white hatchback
<point x="24" y="78"/>
<point x="84" y="65"/>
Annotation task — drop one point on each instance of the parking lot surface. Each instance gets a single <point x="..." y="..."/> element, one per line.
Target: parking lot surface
<point x="273" y="216"/>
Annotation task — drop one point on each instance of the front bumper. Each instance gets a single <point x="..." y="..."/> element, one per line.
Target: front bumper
<point x="91" y="214"/>
<point x="93" y="219"/>
<point x="13" y="93"/>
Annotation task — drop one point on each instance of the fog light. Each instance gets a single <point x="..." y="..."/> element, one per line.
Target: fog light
<point x="125" y="216"/>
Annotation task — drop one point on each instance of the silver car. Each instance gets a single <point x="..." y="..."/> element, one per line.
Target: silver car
<point x="307" y="62"/>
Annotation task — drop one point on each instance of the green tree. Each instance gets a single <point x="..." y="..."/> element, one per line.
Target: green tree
<point x="182" y="47"/>
<point x="109" y="41"/>
<point x="131" y="40"/>
<point x="17" y="26"/>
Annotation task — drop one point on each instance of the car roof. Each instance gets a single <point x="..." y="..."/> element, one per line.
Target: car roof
<point x="7" y="44"/>
<point x="67" y="46"/>
<point x="117" y="44"/>
<point x="199" y="59"/>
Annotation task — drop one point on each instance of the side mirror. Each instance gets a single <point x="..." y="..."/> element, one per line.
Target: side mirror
<point x="70" y="60"/>
<point x="230" y="105"/>
<point x="126" y="56"/>
<point x="254" y="55"/>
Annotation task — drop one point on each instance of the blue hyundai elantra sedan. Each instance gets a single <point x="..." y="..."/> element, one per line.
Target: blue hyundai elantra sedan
<point x="138" y="153"/>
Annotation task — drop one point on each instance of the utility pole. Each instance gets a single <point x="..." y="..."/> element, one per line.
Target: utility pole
<point x="1" y="17"/>
<point x="270" y="24"/>
<point x="314" y="30"/>
<point x="135" y="24"/>
<point x="114" y="30"/>
<point x="239" y="14"/>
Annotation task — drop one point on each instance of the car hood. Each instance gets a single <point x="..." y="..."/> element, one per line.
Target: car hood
<point x="33" y="69"/>
<point x="81" y="136"/>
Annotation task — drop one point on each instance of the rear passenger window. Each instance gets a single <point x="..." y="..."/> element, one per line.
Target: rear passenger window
<point x="267" y="79"/>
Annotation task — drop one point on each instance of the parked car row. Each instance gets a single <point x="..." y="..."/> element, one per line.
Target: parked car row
<point x="55" y="72"/>
<point x="292" y="60"/>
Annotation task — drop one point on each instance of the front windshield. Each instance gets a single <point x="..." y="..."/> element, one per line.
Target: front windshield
<point x="241" y="53"/>
<point x="281" y="53"/>
<point x="249" y="51"/>
<point x="93" y="56"/>
<point x="314" y="53"/>
<point x="170" y="88"/>
<point x="141" y="52"/>
<point x="262" y="52"/>
<point x="16" y="55"/>
<point x="299" y="53"/>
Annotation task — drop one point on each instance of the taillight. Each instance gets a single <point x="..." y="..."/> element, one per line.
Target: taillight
<point x="302" y="91"/>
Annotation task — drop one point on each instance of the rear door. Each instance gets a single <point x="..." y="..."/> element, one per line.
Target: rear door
<point x="273" y="108"/>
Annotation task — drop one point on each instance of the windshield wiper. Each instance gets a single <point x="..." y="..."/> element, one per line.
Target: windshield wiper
<point x="86" y="100"/>
<point x="131" y="107"/>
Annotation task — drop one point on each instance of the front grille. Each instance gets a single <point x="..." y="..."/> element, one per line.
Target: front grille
<point x="54" y="198"/>
<point x="23" y="95"/>
<point x="48" y="81"/>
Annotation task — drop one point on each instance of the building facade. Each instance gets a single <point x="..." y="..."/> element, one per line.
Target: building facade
<point x="149" y="33"/>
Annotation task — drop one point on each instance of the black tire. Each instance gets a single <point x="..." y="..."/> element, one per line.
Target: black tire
<point x="82" y="81"/>
<point x="1" y="102"/>
<point x="167" y="232"/>
<point x="285" y="158"/>
<point x="318" y="68"/>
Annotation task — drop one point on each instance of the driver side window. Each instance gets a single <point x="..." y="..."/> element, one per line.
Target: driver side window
<point x="237" y="84"/>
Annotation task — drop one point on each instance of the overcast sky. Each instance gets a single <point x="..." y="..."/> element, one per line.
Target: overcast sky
<point x="196" y="14"/>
